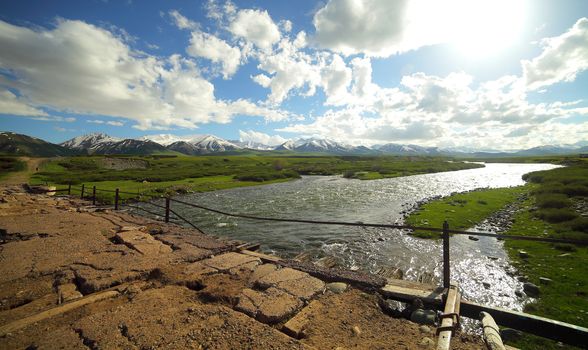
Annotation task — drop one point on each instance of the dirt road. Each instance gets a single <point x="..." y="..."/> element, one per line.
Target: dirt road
<point x="21" y="177"/>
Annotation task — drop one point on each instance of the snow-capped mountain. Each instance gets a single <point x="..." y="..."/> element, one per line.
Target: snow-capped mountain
<point x="129" y="146"/>
<point x="203" y="145"/>
<point x="98" y="143"/>
<point x="165" y="139"/>
<point x="89" y="142"/>
<point x="394" y="148"/>
<point x="252" y="145"/>
<point x="211" y="143"/>
<point x="315" y="145"/>
<point x="286" y="146"/>
<point x="183" y="147"/>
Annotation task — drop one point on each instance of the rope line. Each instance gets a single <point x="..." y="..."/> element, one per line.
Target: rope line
<point x="400" y="227"/>
<point x="338" y="223"/>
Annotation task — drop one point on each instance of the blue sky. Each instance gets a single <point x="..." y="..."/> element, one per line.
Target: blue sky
<point x="459" y="73"/>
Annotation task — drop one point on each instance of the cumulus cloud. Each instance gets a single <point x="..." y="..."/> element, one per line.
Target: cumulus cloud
<point x="288" y="69"/>
<point x="335" y="78"/>
<point x="374" y="27"/>
<point x="76" y="60"/>
<point x="260" y="137"/>
<point x="428" y="109"/>
<point x="217" y="50"/>
<point x="11" y="104"/>
<point x="562" y="59"/>
<point x="255" y="26"/>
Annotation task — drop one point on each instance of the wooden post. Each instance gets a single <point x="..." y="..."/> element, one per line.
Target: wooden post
<point x="449" y="320"/>
<point x="116" y="199"/>
<point x="82" y="194"/>
<point x="446" y="270"/>
<point x="167" y="203"/>
<point x="94" y="195"/>
<point x="69" y="189"/>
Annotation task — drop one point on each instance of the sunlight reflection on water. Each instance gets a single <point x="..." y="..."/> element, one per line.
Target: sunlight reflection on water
<point x="377" y="201"/>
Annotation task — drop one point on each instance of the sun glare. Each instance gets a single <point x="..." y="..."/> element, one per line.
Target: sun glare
<point x="474" y="27"/>
<point x="486" y="27"/>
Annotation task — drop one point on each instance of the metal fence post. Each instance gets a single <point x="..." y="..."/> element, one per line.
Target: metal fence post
<point x="167" y="204"/>
<point x="446" y="270"/>
<point x="94" y="195"/>
<point x="69" y="189"/>
<point x="116" y="199"/>
<point x="82" y="194"/>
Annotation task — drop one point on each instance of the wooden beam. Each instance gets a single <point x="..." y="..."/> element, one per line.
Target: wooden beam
<point x="63" y="308"/>
<point x="537" y="325"/>
<point x="444" y="340"/>
<point x="407" y="291"/>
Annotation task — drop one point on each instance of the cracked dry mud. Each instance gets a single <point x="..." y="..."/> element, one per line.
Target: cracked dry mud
<point x="75" y="278"/>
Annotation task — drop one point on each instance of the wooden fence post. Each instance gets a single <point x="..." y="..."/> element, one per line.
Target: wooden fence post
<point x="94" y="195"/>
<point x="116" y="199"/>
<point x="82" y="194"/>
<point x="446" y="270"/>
<point x="167" y="204"/>
<point x="69" y="189"/>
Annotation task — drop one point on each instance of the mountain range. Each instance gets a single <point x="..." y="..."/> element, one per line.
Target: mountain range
<point x="98" y="143"/>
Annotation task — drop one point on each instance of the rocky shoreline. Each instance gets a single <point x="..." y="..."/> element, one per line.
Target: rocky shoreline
<point x="77" y="276"/>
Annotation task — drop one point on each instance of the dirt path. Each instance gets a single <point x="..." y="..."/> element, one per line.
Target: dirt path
<point x="21" y="177"/>
<point x="74" y="277"/>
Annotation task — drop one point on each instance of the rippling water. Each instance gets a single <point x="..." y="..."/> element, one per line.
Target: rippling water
<point x="375" y="201"/>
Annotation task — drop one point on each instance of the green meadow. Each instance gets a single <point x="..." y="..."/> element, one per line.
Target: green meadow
<point x="168" y="174"/>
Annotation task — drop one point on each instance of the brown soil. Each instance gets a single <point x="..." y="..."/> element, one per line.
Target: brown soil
<point x="23" y="176"/>
<point x="171" y="287"/>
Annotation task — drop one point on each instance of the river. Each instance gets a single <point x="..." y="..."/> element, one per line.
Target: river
<point x="473" y="263"/>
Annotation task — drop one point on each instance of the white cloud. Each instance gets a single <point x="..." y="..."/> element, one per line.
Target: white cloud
<point x="11" y="104"/>
<point x="562" y="59"/>
<point x="289" y="69"/>
<point x="76" y="60"/>
<point x="182" y="22"/>
<point x="215" y="49"/>
<point x="256" y="136"/>
<point x="336" y="77"/>
<point x="374" y="27"/>
<point x="255" y="26"/>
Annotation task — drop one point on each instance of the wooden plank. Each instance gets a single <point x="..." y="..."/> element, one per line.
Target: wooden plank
<point x="63" y="308"/>
<point x="444" y="340"/>
<point x="407" y="291"/>
<point x="537" y="325"/>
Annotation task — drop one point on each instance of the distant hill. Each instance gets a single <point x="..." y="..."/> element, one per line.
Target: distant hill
<point x="98" y="143"/>
<point x="89" y="142"/>
<point x="18" y="144"/>
<point x="131" y="146"/>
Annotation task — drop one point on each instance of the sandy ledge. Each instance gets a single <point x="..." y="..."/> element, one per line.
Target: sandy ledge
<point x="73" y="277"/>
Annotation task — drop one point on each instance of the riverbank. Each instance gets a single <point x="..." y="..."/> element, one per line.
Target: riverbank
<point x="77" y="276"/>
<point x="463" y="210"/>
<point x="170" y="174"/>
<point x="554" y="273"/>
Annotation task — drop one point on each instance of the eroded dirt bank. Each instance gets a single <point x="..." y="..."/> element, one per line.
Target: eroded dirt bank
<point x="72" y="277"/>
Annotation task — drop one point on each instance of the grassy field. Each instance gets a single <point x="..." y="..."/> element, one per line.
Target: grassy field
<point x="556" y="206"/>
<point x="462" y="210"/>
<point x="171" y="174"/>
<point x="9" y="165"/>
